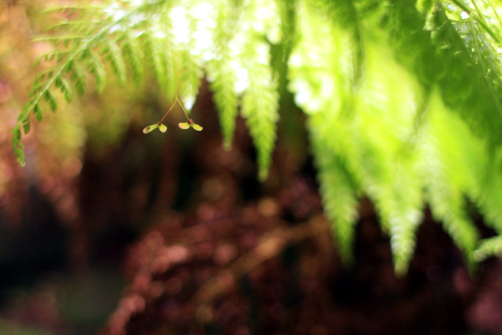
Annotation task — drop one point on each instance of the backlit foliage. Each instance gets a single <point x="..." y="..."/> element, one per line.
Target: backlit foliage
<point x="402" y="97"/>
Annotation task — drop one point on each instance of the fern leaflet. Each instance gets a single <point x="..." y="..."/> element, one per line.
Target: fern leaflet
<point x="98" y="29"/>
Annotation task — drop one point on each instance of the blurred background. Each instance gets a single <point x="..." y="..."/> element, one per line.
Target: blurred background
<point x="109" y="231"/>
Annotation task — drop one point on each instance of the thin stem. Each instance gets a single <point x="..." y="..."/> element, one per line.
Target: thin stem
<point x="463" y="6"/>
<point x="176" y="100"/>
<point x="174" y="103"/>
<point x="480" y="14"/>
<point x="183" y="108"/>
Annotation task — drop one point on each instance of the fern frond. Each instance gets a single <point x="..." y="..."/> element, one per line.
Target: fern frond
<point x="17" y="145"/>
<point x="337" y="187"/>
<point x="327" y="86"/>
<point x="97" y="67"/>
<point x="395" y="188"/>
<point x="65" y="88"/>
<point x="186" y="50"/>
<point x="79" y="78"/>
<point x="483" y="53"/>
<point x="345" y="15"/>
<point x="97" y="29"/>
<point x="156" y="39"/>
<point x="167" y="62"/>
<point x="456" y="52"/>
<point x="225" y="98"/>
<point x="189" y="75"/>
<point x="71" y="10"/>
<point x="259" y="107"/>
<point x="134" y="52"/>
<point x="260" y="98"/>
<point x="490" y="194"/>
<point x="451" y="174"/>
<point x="152" y="45"/>
<point x="117" y="61"/>
<point x="220" y="72"/>
<point x="455" y="222"/>
<point x="447" y="206"/>
<point x="80" y="27"/>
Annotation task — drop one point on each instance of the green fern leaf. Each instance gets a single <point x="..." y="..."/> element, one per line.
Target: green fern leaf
<point x="326" y="101"/>
<point x="38" y="112"/>
<point x="86" y="53"/>
<point x="117" y="61"/>
<point x="220" y="72"/>
<point x="69" y="66"/>
<point x="26" y="127"/>
<point x="51" y="99"/>
<point x="58" y="81"/>
<point x="403" y="242"/>
<point x="97" y="67"/>
<point x="79" y="78"/>
<point x="337" y="187"/>
<point x="340" y="205"/>
<point x="397" y="194"/>
<point x="226" y="100"/>
<point x="447" y="206"/>
<point x="134" y="53"/>
<point x="155" y="57"/>
<point x="259" y="107"/>
<point x="260" y="100"/>
<point x="54" y="104"/>
<point x="450" y="175"/>
<point x="67" y="90"/>
<point x="490" y="195"/>
<point x="90" y="28"/>
<point x="17" y="146"/>
<point x="167" y="62"/>
<point x="189" y="77"/>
